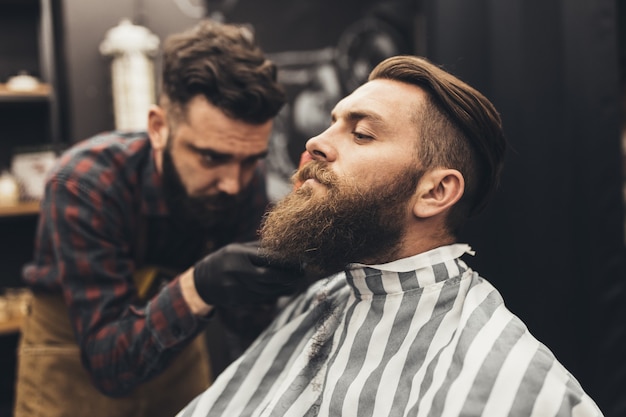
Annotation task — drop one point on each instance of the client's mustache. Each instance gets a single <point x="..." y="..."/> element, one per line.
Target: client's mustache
<point x="317" y="170"/>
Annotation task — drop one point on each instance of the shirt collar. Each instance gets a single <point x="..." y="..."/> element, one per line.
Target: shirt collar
<point x="410" y="273"/>
<point x="153" y="203"/>
<point x="433" y="256"/>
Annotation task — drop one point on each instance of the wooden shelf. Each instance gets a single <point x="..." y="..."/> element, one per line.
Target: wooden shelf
<point x="27" y="208"/>
<point x="42" y="93"/>
<point x="11" y="325"/>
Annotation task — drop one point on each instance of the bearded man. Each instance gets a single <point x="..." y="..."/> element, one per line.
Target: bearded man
<point x="113" y="330"/>
<point x="401" y="326"/>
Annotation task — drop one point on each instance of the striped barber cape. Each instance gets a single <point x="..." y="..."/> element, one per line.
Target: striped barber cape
<point x="420" y="336"/>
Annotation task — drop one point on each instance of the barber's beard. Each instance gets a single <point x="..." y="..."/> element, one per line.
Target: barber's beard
<point x="348" y="224"/>
<point x="206" y="212"/>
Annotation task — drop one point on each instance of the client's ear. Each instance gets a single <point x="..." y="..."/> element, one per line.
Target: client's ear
<point x="157" y="127"/>
<point x="438" y="190"/>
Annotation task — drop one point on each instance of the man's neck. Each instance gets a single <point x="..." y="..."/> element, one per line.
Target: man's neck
<point x="422" y="239"/>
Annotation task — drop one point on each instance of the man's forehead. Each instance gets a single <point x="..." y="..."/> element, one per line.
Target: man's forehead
<point x="380" y="98"/>
<point x="364" y="92"/>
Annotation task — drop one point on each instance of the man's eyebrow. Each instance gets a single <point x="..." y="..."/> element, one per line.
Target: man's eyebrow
<point x="224" y="156"/>
<point x="259" y="155"/>
<point x="355" y="116"/>
<point x="209" y="152"/>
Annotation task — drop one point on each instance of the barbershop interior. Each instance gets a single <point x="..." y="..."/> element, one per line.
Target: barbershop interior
<point x="553" y="238"/>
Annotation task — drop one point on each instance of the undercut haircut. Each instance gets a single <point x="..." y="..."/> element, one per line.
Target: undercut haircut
<point x="458" y="127"/>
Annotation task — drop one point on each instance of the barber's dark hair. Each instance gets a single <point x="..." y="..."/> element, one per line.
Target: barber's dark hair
<point x="224" y="64"/>
<point x="459" y="128"/>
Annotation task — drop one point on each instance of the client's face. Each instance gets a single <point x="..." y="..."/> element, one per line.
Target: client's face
<point x="347" y="223"/>
<point x="355" y="199"/>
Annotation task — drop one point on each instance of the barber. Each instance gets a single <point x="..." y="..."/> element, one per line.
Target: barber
<point x="134" y="247"/>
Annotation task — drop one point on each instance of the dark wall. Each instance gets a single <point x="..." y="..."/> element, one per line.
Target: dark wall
<point x="553" y="240"/>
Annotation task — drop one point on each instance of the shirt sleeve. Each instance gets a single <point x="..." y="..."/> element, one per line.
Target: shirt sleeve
<point x="122" y="342"/>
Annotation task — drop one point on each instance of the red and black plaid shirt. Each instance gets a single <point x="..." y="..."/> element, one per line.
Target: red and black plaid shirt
<point x="103" y="217"/>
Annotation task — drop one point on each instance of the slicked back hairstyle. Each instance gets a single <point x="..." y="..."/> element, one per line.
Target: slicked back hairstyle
<point x="223" y="63"/>
<point x="459" y="128"/>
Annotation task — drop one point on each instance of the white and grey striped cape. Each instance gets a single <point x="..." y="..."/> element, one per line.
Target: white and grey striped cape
<point x="421" y="336"/>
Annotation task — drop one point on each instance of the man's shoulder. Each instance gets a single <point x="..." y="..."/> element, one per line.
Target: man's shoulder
<point x="495" y="352"/>
<point x="513" y="359"/>
<point x="106" y="152"/>
<point x="107" y="145"/>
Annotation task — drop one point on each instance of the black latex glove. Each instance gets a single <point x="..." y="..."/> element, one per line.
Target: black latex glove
<point x="236" y="274"/>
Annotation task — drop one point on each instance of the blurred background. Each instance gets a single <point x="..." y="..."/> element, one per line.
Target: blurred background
<point x="552" y="242"/>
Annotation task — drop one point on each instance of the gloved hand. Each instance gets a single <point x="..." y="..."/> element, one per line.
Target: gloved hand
<point x="236" y="274"/>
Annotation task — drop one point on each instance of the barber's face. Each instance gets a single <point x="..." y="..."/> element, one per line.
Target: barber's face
<point x="355" y="198"/>
<point x="213" y="155"/>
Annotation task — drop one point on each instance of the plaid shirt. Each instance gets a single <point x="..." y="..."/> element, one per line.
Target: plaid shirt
<point x="102" y="218"/>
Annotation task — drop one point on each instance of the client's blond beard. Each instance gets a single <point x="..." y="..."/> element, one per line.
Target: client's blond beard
<point x="325" y="233"/>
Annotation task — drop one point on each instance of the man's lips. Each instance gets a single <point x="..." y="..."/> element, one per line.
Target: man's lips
<point x="305" y="158"/>
<point x="309" y="182"/>
<point x="315" y="173"/>
<point x="312" y="182"/>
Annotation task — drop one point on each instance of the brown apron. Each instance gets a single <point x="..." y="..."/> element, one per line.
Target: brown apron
<point x="51" y="381"/>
